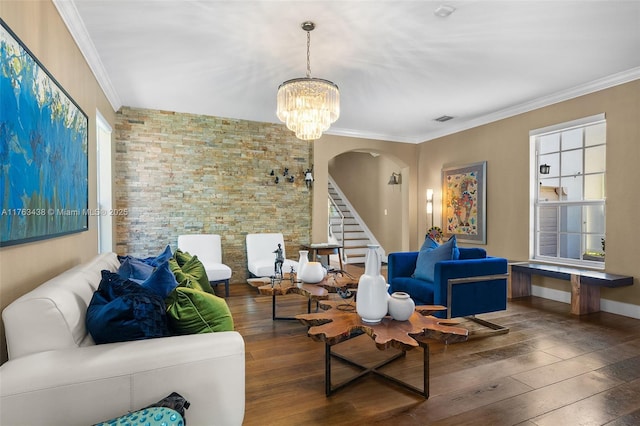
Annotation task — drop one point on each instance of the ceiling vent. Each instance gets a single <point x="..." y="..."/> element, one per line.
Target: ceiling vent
<point x="443" y="118"/>
<point x="444" y="10"/>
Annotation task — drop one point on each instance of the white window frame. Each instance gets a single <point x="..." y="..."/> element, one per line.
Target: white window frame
<point x="533" y="191"/>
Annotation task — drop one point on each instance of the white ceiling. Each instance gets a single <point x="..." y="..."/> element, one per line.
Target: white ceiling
<point x="398" y="65"/>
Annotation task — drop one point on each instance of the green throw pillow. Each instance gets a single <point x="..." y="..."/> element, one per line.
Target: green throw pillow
<point x="195" y="268"/>
<point x="181" y="257"/>
<point x="192" y="277"/>
<point x="191" y="311"/>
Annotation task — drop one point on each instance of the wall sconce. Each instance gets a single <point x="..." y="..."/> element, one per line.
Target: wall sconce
<point x="285" y="175"/>
<point x="395" y="179"/>
<point x="544" y="169"/>
<point x="430" y="204"/>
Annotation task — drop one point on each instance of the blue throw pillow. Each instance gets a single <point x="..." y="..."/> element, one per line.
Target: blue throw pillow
<point x="432" y="253"/>
<point x="121" y="310"/>
<point x="135" y="270"/>
<point x="159" y="259"/>
<point x="153" y="260"/>
<point x="162" y="281"/>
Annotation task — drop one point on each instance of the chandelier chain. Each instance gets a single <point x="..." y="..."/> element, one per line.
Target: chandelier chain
<point x="308" y="54"/>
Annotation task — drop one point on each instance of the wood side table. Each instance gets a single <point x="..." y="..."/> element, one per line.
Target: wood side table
<point x="312" y="292"/>
<point x="334" y="326"/>
<point x="325" y="250"/>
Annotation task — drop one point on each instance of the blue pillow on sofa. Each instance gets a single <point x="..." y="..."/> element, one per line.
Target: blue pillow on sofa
<point x="135" y="270"/>
<point x="121" y="310"/>
<point x="162" y="281"/>
<point x="431" y="253"/>
<point x="153" y="260"/>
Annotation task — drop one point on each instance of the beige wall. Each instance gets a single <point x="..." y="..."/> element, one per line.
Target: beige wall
<point x="404" y="155"/>
<point x="363" y="178"/>
<point x="25" y="266"/>
<point x="505" y="147"/>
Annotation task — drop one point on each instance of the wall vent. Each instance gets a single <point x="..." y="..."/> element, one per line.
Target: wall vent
<point x="443" y="118"/>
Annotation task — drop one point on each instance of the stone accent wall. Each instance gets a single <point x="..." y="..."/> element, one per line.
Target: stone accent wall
<point x="181" y="173"/>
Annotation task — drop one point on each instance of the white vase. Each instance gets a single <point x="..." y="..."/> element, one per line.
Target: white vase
<point x="312" y="273"/>
<point x="372" y="295"/>
<point x="401" y="306"/>
<point x="304" y="259"/>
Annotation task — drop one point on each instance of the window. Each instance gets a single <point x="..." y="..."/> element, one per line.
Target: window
<point x="569" y="195"/>
<point x="105" y="218"/>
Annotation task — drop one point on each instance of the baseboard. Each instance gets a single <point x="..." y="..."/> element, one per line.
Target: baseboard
<point x="618" y="308"/>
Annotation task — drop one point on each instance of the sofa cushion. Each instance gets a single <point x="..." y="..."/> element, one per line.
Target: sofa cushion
<point x="421" y="291"/>
<point x="162" y="281"/>
<point x="135" y="269"/>
<point x="121" y="310"/>
<point x="192" y="311"/>
<point x="432" y="253"/>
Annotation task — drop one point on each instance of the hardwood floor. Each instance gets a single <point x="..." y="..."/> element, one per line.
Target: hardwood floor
<point x="552" y="368"/>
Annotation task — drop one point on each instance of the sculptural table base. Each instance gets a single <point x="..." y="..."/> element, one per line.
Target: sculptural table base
<point x="330" y="389"/>
<point x="334" y="326"/>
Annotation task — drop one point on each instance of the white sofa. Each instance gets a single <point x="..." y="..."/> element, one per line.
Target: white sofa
<point x="57" y="375"/>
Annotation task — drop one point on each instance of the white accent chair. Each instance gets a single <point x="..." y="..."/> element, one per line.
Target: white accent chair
<point x="261" y="258"/>
<point x="208" y="249"/>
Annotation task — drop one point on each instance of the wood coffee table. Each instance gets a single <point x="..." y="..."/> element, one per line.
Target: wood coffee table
<point x="312" y="292"/>
<point x="334" y="326"/>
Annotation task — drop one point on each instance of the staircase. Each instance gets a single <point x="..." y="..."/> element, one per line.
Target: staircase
<point x="347" y="228"/>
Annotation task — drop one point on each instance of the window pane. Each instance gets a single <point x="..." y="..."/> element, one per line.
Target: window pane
<point x="570" y="246"/>
<point x="594" y="187"/>
<point x="593" y="244"/>
<point x="553" y="160"/>
<point x="571" y="188"/>
<point x="549" y="143"/>
<point x="595" y="134"/>
<point x="572" y="139"/>
<point x="571" y="163"/>
<point x="571" y="218"/>
<point x="550" y="192"/>
<point x="547" y="244"/>
<point x="594" y="159"/>
<point x="594" y="219"/>
<point x="548" y="219"/>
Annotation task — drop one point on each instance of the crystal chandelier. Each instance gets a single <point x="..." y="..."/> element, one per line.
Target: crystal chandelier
<point x="308" y="106"/>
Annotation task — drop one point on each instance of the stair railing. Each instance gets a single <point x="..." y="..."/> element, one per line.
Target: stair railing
<point x="333" y="209"/>
<point x="358" y="219"/>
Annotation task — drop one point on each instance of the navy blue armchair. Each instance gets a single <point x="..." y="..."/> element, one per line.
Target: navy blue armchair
<point x="473" y="284"/>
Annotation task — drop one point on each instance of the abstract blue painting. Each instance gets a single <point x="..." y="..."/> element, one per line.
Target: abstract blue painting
<point x="44" y="134"/>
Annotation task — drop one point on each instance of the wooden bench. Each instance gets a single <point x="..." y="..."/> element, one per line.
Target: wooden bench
<point x="585" y="283"/>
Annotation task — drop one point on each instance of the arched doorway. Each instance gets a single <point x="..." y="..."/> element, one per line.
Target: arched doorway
<point x="392" y="157"/>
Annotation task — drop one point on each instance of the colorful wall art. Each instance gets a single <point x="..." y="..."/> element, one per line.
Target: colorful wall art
<point x="44" y="133"/>
<point x="464" y="202"/>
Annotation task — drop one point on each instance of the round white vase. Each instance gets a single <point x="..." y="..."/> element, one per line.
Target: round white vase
<point x="401" y="306"/>
<point x="372" y="295"/>
<point x="312" y="273"/>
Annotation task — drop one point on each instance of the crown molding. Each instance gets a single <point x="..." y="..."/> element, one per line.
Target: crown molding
<point x="564" y="95"/>
<point x="71" y="17"/>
